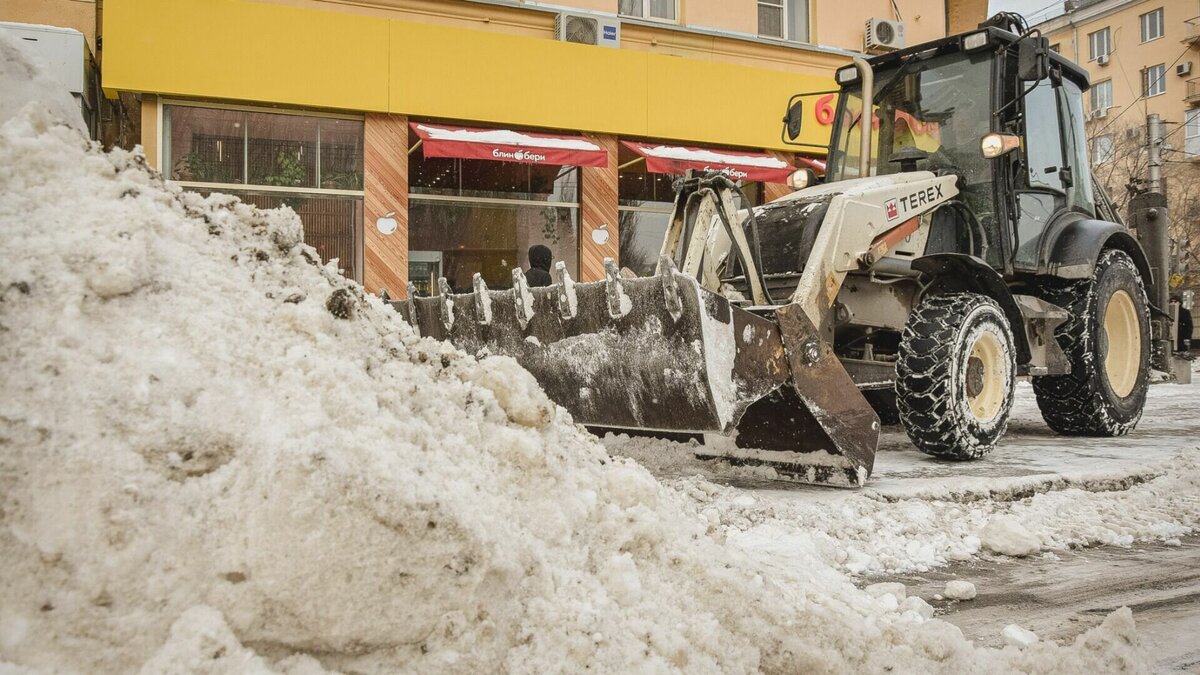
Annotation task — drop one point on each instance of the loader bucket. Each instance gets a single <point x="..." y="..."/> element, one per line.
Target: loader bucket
<point x="656" y="354"/>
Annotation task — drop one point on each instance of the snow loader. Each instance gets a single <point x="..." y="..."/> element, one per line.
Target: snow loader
<point x="957" y="243"/>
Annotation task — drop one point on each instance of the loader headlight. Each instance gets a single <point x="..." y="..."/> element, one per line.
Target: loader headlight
<point x="995" y="145"/>
<point x="801" y="178"/>
<point x="846" y="75"/>
<point x="975" y="41"/>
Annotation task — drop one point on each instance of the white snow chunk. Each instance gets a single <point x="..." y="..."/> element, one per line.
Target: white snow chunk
<point x="1018" y="637"/>
<point x="918" y="605"/>
<point x="1007" y="536"/>
<point x="201" y="642"/>
<point x="892" y="588"/>
<point x="958" y="589"/>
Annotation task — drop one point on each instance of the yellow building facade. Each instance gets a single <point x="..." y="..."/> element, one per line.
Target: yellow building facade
<point x="360" y="115"/>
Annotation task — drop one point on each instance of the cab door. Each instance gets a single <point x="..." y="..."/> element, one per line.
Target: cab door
<point x="1056" y="179"/>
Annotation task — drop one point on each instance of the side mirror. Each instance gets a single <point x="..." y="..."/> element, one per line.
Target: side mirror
<point x="1033" y="59"/>
<point x="794" y="119"/>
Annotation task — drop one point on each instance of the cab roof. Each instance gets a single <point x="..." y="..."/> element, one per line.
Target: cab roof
<point x="996" y="36"/>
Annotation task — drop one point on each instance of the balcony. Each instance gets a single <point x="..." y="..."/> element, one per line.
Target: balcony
<point x="1193" y="91"/>
<point x="1191" y="31"/>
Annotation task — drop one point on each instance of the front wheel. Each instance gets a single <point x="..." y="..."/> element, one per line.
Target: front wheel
<point x="1107" y="341"/>
<point x="956" y="375"/>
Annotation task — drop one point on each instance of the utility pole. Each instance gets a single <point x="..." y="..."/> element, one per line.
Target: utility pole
<point x="1149" y="219"/>
<point x="1154" y="141"/>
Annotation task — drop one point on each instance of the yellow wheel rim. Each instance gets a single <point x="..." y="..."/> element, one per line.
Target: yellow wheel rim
<point x="987" y="377"/>
<point x="1123" y="334"/>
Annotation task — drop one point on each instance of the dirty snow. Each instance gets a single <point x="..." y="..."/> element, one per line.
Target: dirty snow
<point x="218" y="455"/>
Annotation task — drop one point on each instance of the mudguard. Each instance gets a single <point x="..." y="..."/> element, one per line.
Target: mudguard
<point x="951" y="272"/>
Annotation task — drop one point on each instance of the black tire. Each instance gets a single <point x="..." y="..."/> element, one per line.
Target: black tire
<point x="1085" y="402"/>
<point x="951" y="404"/>
<point x="883" y="401"/>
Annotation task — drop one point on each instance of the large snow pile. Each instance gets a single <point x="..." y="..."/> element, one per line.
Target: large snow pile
<point x="217" y="455"/>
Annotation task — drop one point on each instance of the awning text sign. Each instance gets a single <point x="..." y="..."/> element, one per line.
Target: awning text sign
<point x="503" y="145"/>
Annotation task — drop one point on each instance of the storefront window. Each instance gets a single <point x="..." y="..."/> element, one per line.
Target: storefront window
<point x="645" y="201"/>
<point x="330" y="223"/>
<point x="311" y="163"/>
<point x="478" y="215"/>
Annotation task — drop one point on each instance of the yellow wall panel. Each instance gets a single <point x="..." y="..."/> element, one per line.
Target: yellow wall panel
<point x="737" y="104"/>
<point x="235" y="49"/>
<point x="476" y="75"/>
<point x="241" y="50"/>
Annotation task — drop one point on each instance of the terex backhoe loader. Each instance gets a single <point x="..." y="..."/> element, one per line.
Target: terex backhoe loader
<point x="957" y="243"/>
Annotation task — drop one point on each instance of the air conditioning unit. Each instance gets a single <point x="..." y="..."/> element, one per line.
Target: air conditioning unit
<point x="1099" y="113"/>
<point x="1183" y="69"/>
<point x="587" y="30"/>
<point x="1102" y="60"/>
<point x="884" y="35"/>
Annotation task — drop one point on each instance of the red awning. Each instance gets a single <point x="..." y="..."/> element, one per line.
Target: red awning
<point x="503" y="145"/>
<point x="737" y="165"/>
<point x="817" y="165"/>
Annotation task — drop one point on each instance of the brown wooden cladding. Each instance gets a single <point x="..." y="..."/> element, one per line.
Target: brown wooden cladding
<point x="599" y="207"/>
<point x="385" y="184"/>
<point x="773" y="191"/>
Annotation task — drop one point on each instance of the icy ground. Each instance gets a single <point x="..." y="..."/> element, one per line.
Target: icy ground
<point x="219" y="456"/>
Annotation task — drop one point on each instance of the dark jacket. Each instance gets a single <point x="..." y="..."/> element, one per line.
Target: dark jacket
<point x="540" y="258"/>
<point x="1185" y="326"/>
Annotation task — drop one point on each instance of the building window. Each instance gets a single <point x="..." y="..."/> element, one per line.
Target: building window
<point x="1154" y="81"/>
<point x="1101" y="96"/>
<point x="312" y="163"/>
<point x="1191" y="133"/>
<point x="479" y="215"/>
<point x="1099" y="44"/>
<point x="662" y="10"/>
<point x="1102" y="149"/>
<point x="786" y="19"/>
<point x="1152" y="25"/>
<point x="1056" y="48"/>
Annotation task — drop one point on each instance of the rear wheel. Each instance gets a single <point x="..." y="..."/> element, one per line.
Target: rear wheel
<point x="1107" y="342"/>
<point x="955" y="375"/>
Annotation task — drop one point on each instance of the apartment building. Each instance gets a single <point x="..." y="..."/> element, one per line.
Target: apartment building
<point x="1143" y="57"/>
<point x="419" y="139"/>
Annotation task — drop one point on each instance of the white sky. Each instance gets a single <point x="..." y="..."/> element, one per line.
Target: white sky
<point x="1035" y="11"/>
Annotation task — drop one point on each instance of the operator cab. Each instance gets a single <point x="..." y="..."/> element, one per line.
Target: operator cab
<point x="932" y="106"/>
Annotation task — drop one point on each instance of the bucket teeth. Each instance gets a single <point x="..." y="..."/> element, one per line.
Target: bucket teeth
<point x="567" y="301"/>
<point x="412" y="309"/>
<point x="446" y="303"/>
<point x="522" y="298"/>
<point x="666" y="272"/>
<point x="483" y="301"/>
<point x="618" y="303"/>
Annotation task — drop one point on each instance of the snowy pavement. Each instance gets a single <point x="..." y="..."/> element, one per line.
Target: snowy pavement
<point x="1117" y="511"/>
<point x="1059" y="595"/>
<point x="1030" y="456"/>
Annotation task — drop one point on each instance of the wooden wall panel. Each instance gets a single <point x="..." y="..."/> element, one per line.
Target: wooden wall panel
<point x="386" y="189"/>
<point x="773" y="191"/>
<point x="599" y="207"/>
